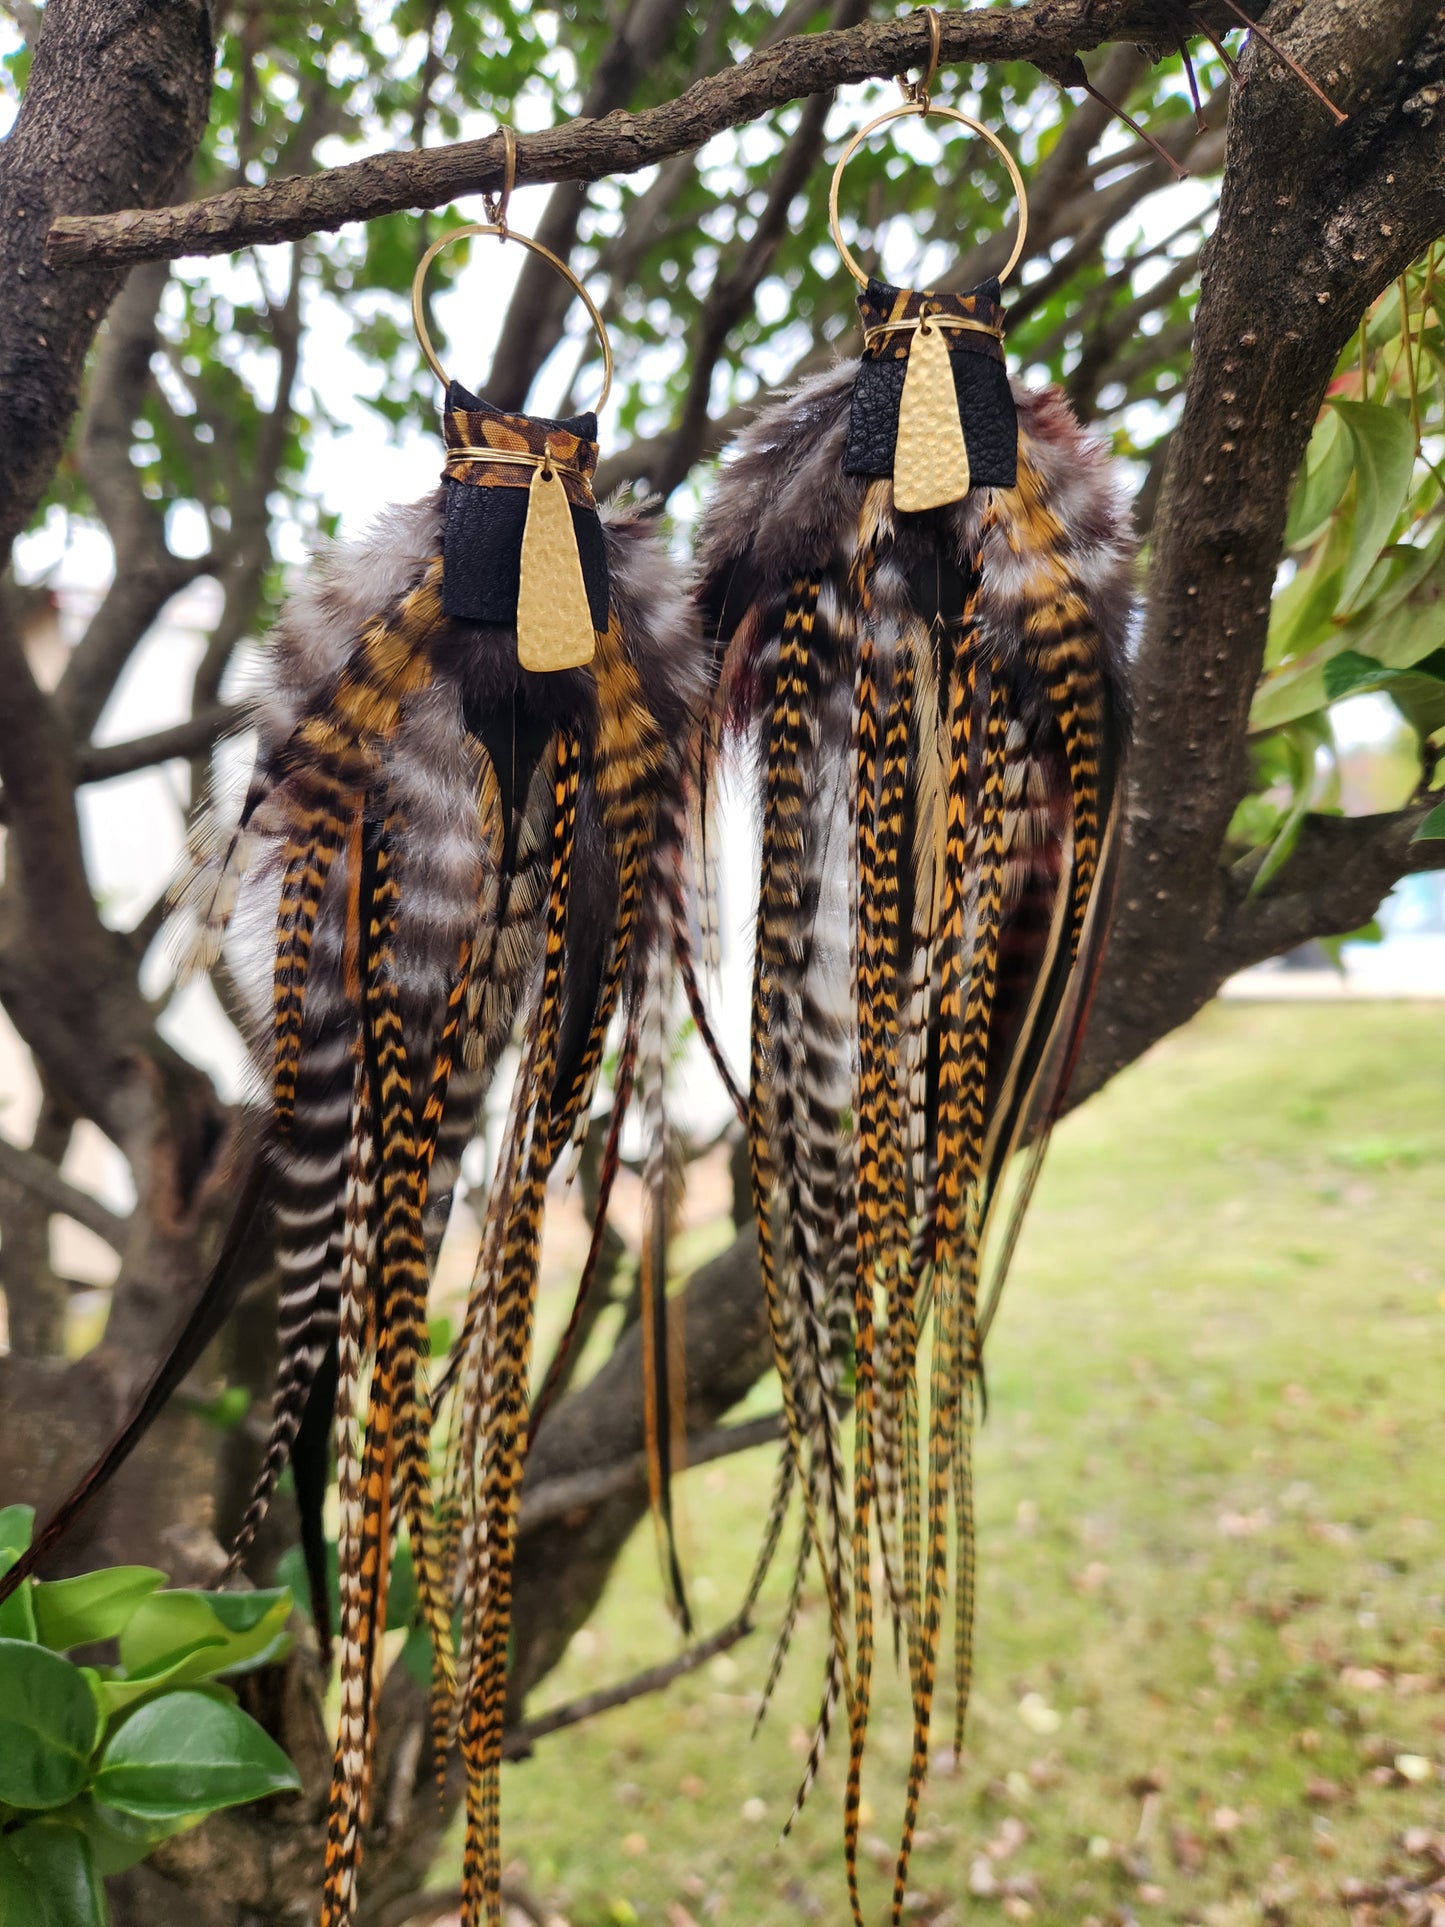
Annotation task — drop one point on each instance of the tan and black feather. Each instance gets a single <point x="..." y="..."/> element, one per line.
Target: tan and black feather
<point x="961" y="673"/>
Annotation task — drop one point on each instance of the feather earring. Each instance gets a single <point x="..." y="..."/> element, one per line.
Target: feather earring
<point x="458" y="829"/>
<point x="916" y="578"/>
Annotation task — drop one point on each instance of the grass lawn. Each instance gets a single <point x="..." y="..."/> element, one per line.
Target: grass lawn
<point x="1210" y="1677"/>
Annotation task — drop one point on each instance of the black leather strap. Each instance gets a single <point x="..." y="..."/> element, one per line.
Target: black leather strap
<point x="980" y="385"/>
<point x="486" y="508"/>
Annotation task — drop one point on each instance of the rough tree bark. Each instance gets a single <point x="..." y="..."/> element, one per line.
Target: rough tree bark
<point x="1314" y="222"/>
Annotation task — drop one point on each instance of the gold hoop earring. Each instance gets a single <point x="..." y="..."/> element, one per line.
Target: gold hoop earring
<point x="932" y="377"/>
<point x="540" y="560"/>
<point x="917" y="108"/>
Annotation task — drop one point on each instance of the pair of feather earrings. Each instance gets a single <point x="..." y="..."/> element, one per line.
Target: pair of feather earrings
<point x="485" y="735"/>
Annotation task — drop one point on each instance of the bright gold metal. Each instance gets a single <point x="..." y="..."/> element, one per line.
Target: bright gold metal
<point x="917" y="109"/>
<point x="518" y="457"/>
<point x="872" y="336"/>
<point x="930" y="461"/>
<point x="922" y="90"/>
<point x="496" y="204"/>
<point x="503" y="233"/>
<point x="554" y="623"/>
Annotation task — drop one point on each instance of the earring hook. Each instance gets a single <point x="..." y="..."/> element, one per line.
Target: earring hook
<point x="496" y="204"/>
<point x="920" y="92"/>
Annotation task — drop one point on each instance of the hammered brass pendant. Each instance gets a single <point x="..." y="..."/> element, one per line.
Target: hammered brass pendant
<point x="930" y="461"/>
<point x="554" y="623"/>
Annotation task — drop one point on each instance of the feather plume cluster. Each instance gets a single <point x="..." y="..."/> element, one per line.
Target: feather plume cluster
<point x="438" y="850"/>
<point x="441" y="853"/>
<point x="935" y="706"/>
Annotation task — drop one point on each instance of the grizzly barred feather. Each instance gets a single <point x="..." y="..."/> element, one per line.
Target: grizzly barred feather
<point x="949" y="686"/>
<point x="436" y="849"/>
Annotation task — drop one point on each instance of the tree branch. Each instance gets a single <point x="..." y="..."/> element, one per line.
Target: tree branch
<point x="30" y="1172"/>
<point x="1045" y="32"/>
<point x="99" y="762"/>
<point x="1339" y="870"/>
<point x="78" y="142"/>
<point x="522" y="1738"/>
<point x="556" y="1498"/>
<point x="541" y="298"/>
<point x="731" y="295"/>
<point x="1314" y="223"/>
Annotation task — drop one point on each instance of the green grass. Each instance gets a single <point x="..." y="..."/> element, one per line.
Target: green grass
<point x="1211" y="1545"/>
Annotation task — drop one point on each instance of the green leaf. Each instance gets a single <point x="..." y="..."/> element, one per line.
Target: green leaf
<point x="291" y="1571"/>
<point x="120" y="1691"/>
<point x="195" y="1635"/>
<point x="226" y="1410"/>
<point x="186" y="1753"/>
<point x="94" y="1605"/>
<point x="17" y="1522"/>
<point x="120" y="1840"/>
<point x="1418" y="692"/>
<point x="17" y="1613"/>
<point x="1349" y="672"/>
<point x="49" y="1724"/>
<point x="1328" y="463"/>
<point x="1367" y="933"/>
<point x="1299" y="743"/>
<point x="1302" y="613"/>
<point x="1384" y="444"/>
<point x="1433" y="826"/>
<point x="1403" y="622"/>
<point x="48" y="1878"/>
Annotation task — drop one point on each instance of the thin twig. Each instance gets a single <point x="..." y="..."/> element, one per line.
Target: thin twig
<point x="99" y="762"/>
<point x="1181" y="172"/>
<point x="554" y="1499"/>
<point x="1295" y="68"/>
<point x="521" y="1738"/>
<point x="42" y="1180"/>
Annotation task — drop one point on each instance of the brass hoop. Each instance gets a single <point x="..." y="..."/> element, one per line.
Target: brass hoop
<point x="503" y="233"/>
<point x="917" y="108"/>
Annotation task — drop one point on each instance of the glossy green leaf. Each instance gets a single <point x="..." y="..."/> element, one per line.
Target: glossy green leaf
<point x="93" y="1605"/>
<point x="48" y="1878"/>
<point x="1403" y="622"/>
<point x="187" y="1753"/>
<point x="1384" y="446"/>
<point x="17" y="1613"/>
<point x="192" y="1635"/>
<point x="120" y="1840"/>
<point x="119" y="1691"/>
<point x="1418" y="693"/>
<point x="17" y="1523"/>
<point x="49" y="1726"/>
<point x="1328" y="464"/>
<point x="1432" y="827"/>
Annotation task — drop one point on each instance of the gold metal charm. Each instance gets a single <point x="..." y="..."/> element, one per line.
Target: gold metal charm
<point x="930" y="461"/>
<point x="554" y="623"/>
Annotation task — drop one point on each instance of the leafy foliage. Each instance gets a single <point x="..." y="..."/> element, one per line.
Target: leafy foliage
<point x="1362" y="608"/>
<point x="100" y="1763"/>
